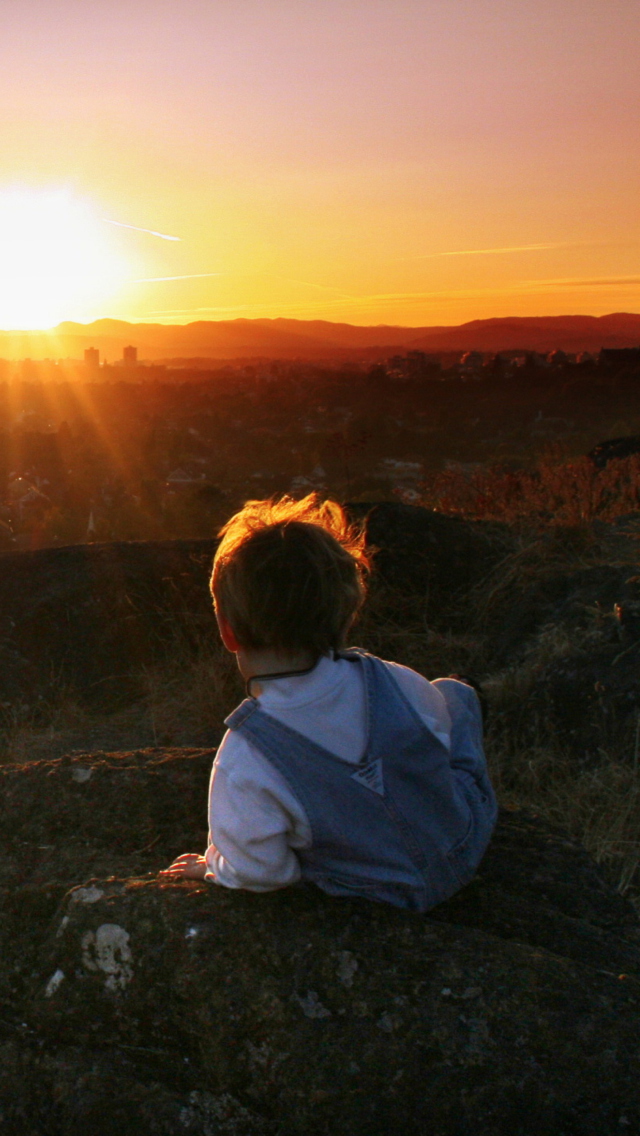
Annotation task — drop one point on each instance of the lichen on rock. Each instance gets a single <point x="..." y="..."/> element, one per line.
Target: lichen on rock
<point x="107" y="949"/>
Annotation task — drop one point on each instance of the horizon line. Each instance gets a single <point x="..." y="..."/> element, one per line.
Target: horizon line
<point x="292" y="319"/>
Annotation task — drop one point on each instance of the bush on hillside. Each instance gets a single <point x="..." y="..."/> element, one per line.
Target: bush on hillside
<point x="554" y="492"/>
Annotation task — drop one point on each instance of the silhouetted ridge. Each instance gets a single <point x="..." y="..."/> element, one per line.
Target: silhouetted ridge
<point x="320" y="339"/>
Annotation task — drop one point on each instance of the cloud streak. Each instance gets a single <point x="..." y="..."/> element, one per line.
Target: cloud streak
<point x="137" y="229"/>
<point x="591" y="282"/>
<point x="188" y="276"/>
<point x="490" y="251"/>
<point x="310" y="284"/>
<point x="344" y="302"/>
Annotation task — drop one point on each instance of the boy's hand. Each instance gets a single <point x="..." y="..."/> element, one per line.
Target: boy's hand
<point x="189" y="866"/>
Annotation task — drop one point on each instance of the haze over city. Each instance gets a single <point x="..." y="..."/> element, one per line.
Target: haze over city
<point x="412" y="164"/>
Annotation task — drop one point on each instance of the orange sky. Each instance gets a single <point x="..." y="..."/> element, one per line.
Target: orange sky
<point x="318" y="159"/>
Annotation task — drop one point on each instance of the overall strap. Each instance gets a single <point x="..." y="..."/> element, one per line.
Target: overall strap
<point x="241" y="713"/>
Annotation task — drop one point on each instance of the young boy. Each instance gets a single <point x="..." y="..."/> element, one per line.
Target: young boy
<point x="353" y="773"/>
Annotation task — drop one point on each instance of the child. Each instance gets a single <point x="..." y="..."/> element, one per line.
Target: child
<point x="353" y="773"/>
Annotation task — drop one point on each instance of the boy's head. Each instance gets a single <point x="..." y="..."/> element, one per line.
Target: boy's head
<point x="288" y="575"/>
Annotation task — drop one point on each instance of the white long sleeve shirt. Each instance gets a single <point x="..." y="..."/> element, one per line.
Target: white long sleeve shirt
<point x="256" y="823"/>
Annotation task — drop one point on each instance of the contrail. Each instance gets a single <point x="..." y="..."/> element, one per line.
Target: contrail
<point x="486" y="252"/>
<point x="137" y="229"/>
<point x="592" y="281"/>
<point x="189" y="276"/>
<point x="309" y="284"/>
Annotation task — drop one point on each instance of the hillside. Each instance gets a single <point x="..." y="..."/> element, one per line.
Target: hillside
<point x="319" y="339"/>
<point x="135" y="1005"/>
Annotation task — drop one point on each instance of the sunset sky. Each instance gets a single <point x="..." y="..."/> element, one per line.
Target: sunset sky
<point x="367" y="161"/>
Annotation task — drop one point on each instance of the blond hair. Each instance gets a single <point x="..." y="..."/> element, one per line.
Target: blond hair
<point x="290" y="575"/>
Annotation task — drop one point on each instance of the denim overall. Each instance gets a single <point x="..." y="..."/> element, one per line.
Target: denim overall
<point x="408" y="824"/>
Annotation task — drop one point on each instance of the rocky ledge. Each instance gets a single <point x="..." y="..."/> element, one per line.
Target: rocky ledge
<point x="132" y="1005"/>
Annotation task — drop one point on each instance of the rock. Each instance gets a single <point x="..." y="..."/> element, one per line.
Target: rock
<point x="574" y="599"/>
<point x="420" y="550"/>
<point x="443" y="1026"/>
<point x="590" y="700"/>
<point x="614" y="449"/>
<point x="574" y="632"/>
<point x="76" y="1093"/>
<point x="131" y="1004"/>
<point x="72" y="818"/>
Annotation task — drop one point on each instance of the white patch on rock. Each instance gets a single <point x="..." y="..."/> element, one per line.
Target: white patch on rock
<point x="347" y="967"/>
<point x="81" y="774"/>
<point x="108" y="950"/>
<point x="89" y="894"/>
<point x="52" y="985"/>
<point x="64" y="922"/>
<point x="311" y="1006"/>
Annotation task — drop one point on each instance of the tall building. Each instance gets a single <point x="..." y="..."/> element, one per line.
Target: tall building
<point x="92" y="357"/>
<point x="130" y="356"/>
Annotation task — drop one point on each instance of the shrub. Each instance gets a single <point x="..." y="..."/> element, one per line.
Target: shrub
<point x="553" y="493"/>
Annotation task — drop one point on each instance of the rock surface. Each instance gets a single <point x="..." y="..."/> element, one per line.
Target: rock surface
<point x="420" y="550"/>
<point x="132" y="1005"/>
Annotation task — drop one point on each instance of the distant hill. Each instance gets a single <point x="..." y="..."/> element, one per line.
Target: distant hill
<point x="318" y="339"/>
<point x="535" y="333"/>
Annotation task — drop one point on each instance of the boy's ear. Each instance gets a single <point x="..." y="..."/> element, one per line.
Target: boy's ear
<point x="227" y="634"/>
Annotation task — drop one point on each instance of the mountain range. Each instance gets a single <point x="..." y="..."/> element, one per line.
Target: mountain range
<point x="318" y="339"/>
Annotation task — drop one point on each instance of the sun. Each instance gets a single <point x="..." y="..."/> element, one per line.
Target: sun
<point x="58" y="259"/>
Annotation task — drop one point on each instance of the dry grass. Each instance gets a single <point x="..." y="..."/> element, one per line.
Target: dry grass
<point x="395" y="625"/>
<point x="191" y="697"/>
<point x="598" y="806"/>
<point x="26" y="732"/>
<point x="184" y="703"/>
<point x="555" y="492"/>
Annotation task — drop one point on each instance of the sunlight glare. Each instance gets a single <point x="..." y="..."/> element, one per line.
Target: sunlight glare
<point x="57" y="260"/>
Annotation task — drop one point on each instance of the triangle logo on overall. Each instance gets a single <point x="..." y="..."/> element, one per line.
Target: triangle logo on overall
<point x="371" y="777"/>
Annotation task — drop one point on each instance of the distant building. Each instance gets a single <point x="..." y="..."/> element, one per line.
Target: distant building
<point x="130" y="356"/>
<point x="471" y="363"/>
<point x="620" y="356"/>
<point x="92" y="357"/>
<point x="614" y="449"/>
<point x="557" y="358"/>
<point x="413" y="365"/>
